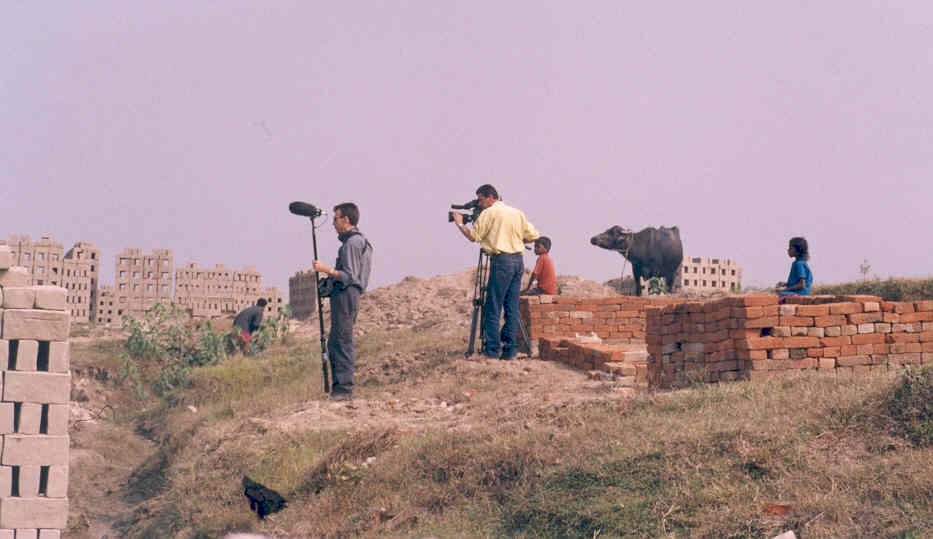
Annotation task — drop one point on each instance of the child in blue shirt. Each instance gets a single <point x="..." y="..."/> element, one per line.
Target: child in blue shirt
<point x="800" y="278"/>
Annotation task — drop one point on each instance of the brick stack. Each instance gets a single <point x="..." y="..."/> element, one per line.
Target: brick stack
<point x="623" y="363"/>
<point x="756" y="337"/>
<point x="35" y="389"/>
<point x="618" y="318"/>
<point x="694" y="341"/>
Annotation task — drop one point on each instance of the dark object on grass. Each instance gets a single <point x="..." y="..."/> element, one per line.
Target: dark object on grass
<point x="263" y="500"/>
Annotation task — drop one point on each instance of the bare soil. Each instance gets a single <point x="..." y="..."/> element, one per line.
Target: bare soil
<point x="447" y="392"/>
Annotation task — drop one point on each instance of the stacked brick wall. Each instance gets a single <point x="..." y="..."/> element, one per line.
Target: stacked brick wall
<point x="554" y="322"/>
<point x="617" y="318"/>
<point x="34" y="393"/>
<point x="755" y="337"/>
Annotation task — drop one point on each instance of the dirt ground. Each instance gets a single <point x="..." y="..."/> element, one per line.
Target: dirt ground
<point x="447" y="392"/>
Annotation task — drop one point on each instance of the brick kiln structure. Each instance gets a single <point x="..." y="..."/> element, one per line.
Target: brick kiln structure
<point x="36" y="385"/>
<point x="673" y="342"/>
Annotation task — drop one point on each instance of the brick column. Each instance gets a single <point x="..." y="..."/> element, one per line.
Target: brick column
<point x="34" y="394"/>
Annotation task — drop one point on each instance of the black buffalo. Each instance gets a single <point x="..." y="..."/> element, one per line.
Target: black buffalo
<point x="653" y="252"/>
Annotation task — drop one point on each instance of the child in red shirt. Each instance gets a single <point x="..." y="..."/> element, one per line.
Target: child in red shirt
<point x="543" y="272"/>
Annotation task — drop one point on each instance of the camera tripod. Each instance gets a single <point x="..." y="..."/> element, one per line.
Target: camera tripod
<point x="479" y="299"/>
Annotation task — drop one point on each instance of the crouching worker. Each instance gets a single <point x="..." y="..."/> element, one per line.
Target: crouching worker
<point x="350" y="276"/>
<point x="543" y="272"/>
<point x="248" y="321"/>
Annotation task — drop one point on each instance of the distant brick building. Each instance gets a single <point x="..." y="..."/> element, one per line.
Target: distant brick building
<point x="142" y="279"/>
<point x="77" y="270"/>
<point x="302" y="295"/>
<point x="212" y="292"/>
<point x="700" y="274"/>
<point x="106" y="311"/>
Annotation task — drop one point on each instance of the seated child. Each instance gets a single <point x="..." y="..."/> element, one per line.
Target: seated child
<point x="543" y="272"/>
<point x="800" y="278"/>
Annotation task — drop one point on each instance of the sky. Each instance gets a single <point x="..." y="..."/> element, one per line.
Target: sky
<point x="192" y="125"/>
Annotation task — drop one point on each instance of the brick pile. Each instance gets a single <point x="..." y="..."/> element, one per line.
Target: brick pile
<point x="755" y="337"/>
<point x="618" y="318"/>
<point x="623" y="363"/>
<point x="554" y="322"/>
<point x="34" y="394"/>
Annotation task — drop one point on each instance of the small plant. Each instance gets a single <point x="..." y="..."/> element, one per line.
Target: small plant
<point x="864" y="268"/>
<point x="656" y="286"/>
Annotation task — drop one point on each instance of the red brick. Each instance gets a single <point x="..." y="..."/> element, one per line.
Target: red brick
<point x="926" y="336"/>
<point x="849" y="361"/>
<point x="755" y="300"/>
<point x="848" y="350"/>
<point x="762" y="322"/>
<point x="832" y="351"/>
<point x="814" y="352"/>
<point x="813" y="310"/>
<point x="762" y="343"/>
<point x="747" y="312"/>
<point x="863" y="318"/>
<point x="844" y="308"/>
<point x="800" y="342"/>
<point x="835" y="341"/>
<point x="868" y="338"/>
<point x="827" y="321"/>
<point x="797" y="321"/>
<point x="925" y="305"/>
<point x="902" y="337"/>
<point x="926" y="316"/>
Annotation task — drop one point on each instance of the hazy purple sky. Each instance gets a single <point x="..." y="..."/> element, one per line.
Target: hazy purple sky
<point x="192" y="125"/>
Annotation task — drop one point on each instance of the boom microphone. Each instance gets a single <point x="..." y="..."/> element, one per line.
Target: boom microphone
<point x="305" y="209"/>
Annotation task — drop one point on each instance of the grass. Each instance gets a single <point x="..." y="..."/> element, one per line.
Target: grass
<point x="891" y="289"/>
<point x="851" y="457"/>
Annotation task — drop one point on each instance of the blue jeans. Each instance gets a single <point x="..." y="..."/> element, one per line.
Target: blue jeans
<point x="505" y="282"/>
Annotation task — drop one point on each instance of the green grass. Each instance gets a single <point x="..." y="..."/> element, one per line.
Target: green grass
<point x="891" y="289"/>
<point x="703" y="462"/>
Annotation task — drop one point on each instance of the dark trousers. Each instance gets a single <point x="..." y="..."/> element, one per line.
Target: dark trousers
<point x="505" y="283"/>
<point x="344" y="305"/>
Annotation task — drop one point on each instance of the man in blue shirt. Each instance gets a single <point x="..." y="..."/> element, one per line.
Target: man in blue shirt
<point x="800" y="277"/>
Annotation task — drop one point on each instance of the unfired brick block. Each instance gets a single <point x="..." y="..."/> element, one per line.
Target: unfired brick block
<point x="36" y="324"/>
<point x="27" y="533"/>
<point x="41" y="387"/>
<point x="6" y="257"/>
<point x="7" y="534"/>
<point x="59" y="356"/>
<point x="15" y="276"/>
<point x="30" y="416"/>
<point x="33" y="512"/>
<point x="29" y="481"/>
<point x="19" y="297"/>
<point x="51" y="298"/>
<point x="58" y="419"/>
<point x="6" y="420"/>
<point x="27" y="354"/>
<point x="58" y="482"/>
<point x="50" y="534"/>
<point x="6" y="481"/>
<point x="25" y="450"/>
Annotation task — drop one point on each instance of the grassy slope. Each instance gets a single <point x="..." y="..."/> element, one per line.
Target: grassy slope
<point x="892" y="289"/>
<point x="700" y="462"/>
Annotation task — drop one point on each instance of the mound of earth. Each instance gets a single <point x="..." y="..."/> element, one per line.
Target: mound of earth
<point x="443" y="302"/>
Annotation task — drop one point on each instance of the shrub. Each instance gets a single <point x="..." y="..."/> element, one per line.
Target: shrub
<point x="889" y="289"/>
<point x="166" y="344"/>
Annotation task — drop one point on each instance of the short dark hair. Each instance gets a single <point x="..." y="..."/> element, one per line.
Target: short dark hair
<point x="545" y="242"/>
<point x="799" y="245"/>
<point x="262" y="302"/>
<point x="350" y="211"/>
<point x="487" y="191"/>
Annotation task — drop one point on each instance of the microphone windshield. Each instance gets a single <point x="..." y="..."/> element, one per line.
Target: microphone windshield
<point x="304" y="209"/>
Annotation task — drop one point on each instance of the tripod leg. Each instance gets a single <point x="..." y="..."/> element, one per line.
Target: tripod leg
<point x="524" y="333"/>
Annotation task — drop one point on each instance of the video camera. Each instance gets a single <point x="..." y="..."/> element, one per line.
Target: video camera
<point x="467" y="217"/>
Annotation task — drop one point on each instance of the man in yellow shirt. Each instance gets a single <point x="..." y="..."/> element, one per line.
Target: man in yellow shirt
<point x="502" y="232"/>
